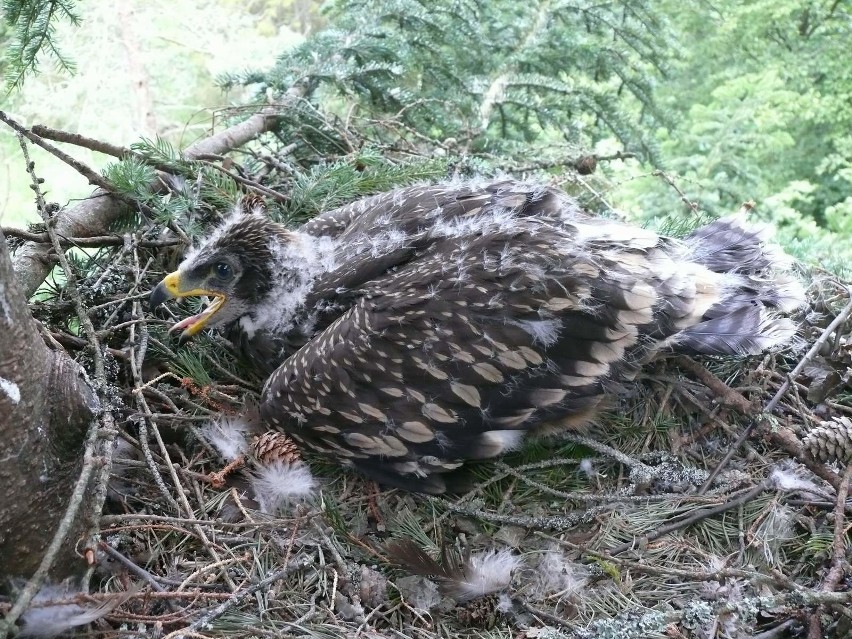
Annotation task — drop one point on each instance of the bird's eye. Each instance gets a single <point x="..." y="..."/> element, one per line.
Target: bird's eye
<point x="223" y="271"/>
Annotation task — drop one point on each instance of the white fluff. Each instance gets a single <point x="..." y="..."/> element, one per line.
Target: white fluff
<point x="557" y="576"/>
<point x="304" y="258"/>
<point x="785" y="477"/>
<point x="776" y="528"/>
<point x="602" y="230"/>
<point x="45" y="619"/>
<point x="788" y="294"/>
<point x="385" y="242"/>
<point x="587" y="467"/>
<point x="503" y="440"/>
<point x="11" y="390"/>
<point x="544" y="332"/>
<point x="486" y="572"/>
<point x="775" y="331"/>
<point x="277" y="485"/>
<point x="504" y="603"/>
<point x="228" y="435"/>
<point x="494" y="220"/>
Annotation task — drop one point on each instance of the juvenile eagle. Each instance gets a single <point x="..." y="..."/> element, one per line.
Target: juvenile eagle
<point x="409" y="332"/>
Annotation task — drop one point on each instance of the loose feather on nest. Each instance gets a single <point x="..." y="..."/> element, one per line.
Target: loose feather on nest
<point x="462" y="577"/>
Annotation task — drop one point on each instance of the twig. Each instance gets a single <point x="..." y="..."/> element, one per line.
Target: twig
<point x="255" y="186"/>
<point x="723" y="393"/>
<point x="72" y="341"/>
<point x="693" y="206"/>
<point x="204" y="621"/>
<point x="163" y="519"/>
<point x="839" y="543"/>
<point x="88" y="242"/>
<point x="552" y="164"/>
<point x="778" y="632"/>
<point x="773" y="403"/>
<point x="603" y="449"/>
<point x="838" y="560"/>
<point x="82" y="141"/>
<point x="131" y="566"/>
<point x="542" y="614"/>
<point x="554" y="522"/>
<point x="695" y="517"/>
<point x="206" y="568"/>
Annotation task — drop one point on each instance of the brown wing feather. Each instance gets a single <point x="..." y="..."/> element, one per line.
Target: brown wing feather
<point x="457" y="354"/>
<point x="470" y="317"/>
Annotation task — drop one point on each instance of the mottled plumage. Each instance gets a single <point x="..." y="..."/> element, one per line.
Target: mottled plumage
<point x="412" y="331"/>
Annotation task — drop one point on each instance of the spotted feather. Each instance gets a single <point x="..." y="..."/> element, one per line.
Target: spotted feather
<point x="413" y="331"/>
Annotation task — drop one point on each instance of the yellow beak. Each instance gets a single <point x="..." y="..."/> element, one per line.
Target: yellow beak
<point x="171" y="287"/>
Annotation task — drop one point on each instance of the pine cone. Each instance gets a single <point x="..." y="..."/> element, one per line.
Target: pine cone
<point x="274" y="447"/>
<point x="831" y="441"/>
<point x="252" y="202"/>
<point x="480" y="613"/>
<point x="586" y="165"/>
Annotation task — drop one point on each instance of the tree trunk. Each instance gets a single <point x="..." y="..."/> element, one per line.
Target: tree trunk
<point x="46" y="407"/>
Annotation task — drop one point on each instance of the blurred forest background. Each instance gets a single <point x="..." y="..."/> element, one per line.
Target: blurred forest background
<point x="734" y="100"/>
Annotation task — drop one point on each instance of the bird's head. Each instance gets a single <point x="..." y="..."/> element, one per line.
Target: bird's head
<point x="233" y="267"/>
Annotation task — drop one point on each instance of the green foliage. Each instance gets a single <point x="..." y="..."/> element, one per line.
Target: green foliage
<point x="195" y="185"/>
<point x="131" y="176"/>
<point x="760" y="102"/>
<point x="325" y="187"/>
<point x="33" y="34"/>
<point x="191" y="364"/>
<point x="485" y="75"/>
<point x="407" y="525"/>
<point x="160" y="152"/>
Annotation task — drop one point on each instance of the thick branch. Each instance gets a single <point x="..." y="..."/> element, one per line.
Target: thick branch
<point x="46" y="405"/>
<point x="93" y="216"/>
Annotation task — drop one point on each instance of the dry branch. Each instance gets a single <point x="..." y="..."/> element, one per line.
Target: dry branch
<point x="93" y="216"/>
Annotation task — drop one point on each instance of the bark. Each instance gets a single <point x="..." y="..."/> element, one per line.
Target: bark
<point x="46" y="408"/>
<point x="94" y="215"/>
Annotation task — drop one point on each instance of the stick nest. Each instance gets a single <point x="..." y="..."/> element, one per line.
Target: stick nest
<point x="661" y="520"/>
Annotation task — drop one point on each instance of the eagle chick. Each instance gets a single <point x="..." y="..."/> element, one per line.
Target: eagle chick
<point x="412" y="331"/>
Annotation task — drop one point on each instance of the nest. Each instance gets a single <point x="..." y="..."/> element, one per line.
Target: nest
<point x="710" y="502"/>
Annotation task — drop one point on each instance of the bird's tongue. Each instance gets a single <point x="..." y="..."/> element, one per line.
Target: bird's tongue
<point x="186" y="323"/>
<point x="211" y="308"/>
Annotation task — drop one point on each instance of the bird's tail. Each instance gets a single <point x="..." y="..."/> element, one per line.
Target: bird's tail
<point x="756" y="290"/>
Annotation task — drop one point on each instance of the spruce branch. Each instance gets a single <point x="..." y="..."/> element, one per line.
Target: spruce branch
<point x="89" y="242"/>
<point x="695" y="517"/>
<point x="82" y="141"/>
<point x="34" y="28"/>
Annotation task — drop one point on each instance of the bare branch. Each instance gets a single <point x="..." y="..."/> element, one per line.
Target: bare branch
<point x="93" y="216"/>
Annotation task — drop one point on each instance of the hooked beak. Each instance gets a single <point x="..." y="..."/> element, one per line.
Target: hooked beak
<point x="171" y="287"/>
